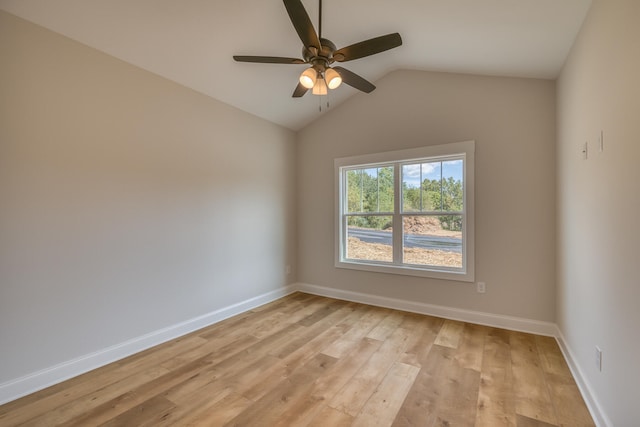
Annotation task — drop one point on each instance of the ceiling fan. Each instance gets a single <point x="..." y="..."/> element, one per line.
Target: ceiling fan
<point x="321" y="53"/>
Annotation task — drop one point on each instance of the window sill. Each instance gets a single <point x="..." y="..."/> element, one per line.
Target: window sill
<point x="407" y="270"/>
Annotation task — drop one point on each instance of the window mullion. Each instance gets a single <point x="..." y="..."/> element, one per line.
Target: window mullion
<point x="421" y="190"/>
<point x="343" y="215"/>
<point x="361" y="190"/>
<point x="397" y="217"/>
<point x="441" y="190"/>
<point x="378" y="183"/>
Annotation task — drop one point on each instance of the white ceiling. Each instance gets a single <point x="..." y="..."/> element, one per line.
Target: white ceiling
<point x="192" y="41"/>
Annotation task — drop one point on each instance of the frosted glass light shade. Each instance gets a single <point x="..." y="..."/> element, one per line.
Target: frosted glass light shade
<point x="308" y="78"/>
<point x="320" y="88"/>
<point x="332" y="78"/>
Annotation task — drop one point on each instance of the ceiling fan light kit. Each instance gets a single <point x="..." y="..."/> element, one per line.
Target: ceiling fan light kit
<point x="332" y="78"/>
<point x="320" y="88"/>
<point x="308" y="78"/>
<point x="321" y="53"/>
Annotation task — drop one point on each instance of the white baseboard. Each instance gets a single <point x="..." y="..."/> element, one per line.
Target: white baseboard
<point x="477" y="317"/>
<point x="39" y="380"/>
<point x="598" y="415"/>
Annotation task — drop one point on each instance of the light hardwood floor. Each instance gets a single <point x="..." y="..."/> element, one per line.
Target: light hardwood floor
<point x="312" y="361"/>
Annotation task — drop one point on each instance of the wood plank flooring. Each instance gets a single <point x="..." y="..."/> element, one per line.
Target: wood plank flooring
<point x="306" y="360"/>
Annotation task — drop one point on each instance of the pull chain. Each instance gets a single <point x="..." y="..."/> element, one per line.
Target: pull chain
<point x="320" y="102"/>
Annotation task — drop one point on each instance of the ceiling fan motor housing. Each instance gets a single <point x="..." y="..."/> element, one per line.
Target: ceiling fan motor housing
<point x="320" y="60"/>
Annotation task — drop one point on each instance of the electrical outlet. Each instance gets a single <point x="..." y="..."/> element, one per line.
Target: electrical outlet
<point x="599" y="358"/>
<point x="481" y="287"/>
<point x="287" y="270"/>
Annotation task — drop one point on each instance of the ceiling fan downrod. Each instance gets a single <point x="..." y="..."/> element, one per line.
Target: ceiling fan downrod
<point x="320" y="19"/>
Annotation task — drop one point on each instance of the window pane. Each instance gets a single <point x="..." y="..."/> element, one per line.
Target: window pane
<point x="433" y="240"/>
<point x="370" y="190"/>
<point x="369" y="238"/>
<point x="422" y="187"/>
<point x="452" y="194"/>
<point x="431" y="186"/>
<point x="354" y="191"/>
<point x="385" y="186"/>
<point x="411" y="175"/>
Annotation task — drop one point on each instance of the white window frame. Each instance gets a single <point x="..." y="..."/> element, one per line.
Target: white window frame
<point x="466" y="150"/>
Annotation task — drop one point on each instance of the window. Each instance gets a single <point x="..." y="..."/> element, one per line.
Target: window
<point x="407" y="212"/>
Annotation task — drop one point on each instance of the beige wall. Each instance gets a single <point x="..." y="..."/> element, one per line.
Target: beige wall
<point x="127" y="202"/>
<point x="513" y="124"/>
<point x="599" y="204"/>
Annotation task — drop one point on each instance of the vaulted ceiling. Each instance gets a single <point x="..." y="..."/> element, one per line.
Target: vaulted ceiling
<point x="192" y="41"/>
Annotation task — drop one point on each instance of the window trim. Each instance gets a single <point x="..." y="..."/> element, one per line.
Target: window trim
<point x="465" y="149"/>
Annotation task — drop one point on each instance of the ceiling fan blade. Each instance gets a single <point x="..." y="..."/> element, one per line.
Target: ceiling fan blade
<point x="299" y="91"/>
<point x="302" y="23"/>
<point x="368" y="47"/>
<point x="354" y="80"/>
<point x="268" y="59"/>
